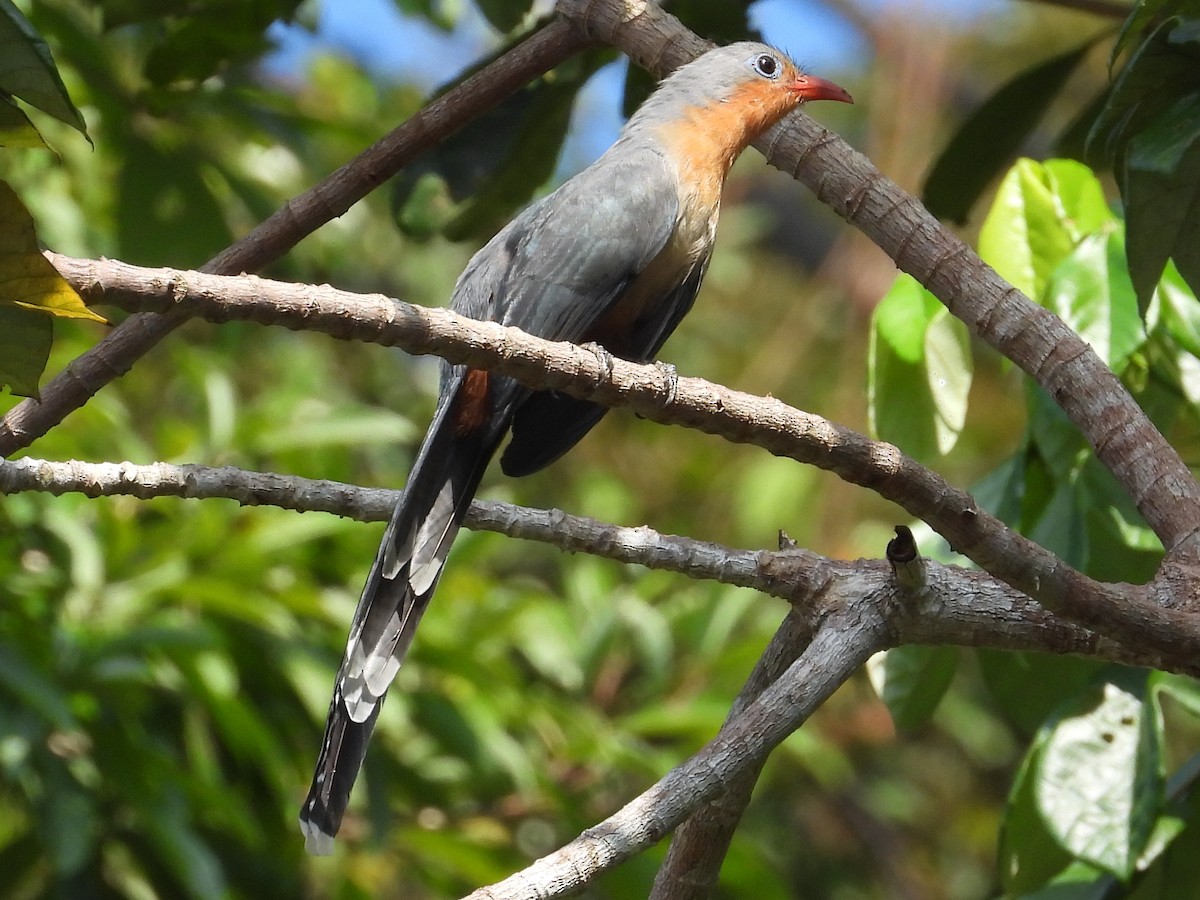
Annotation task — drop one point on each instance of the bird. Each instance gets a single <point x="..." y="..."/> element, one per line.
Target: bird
<point x="612" y="258"/>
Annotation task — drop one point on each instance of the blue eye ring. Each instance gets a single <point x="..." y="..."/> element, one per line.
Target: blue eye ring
<point x="766" y="65"/>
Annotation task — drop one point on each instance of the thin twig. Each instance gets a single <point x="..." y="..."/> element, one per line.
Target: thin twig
<point x="959" y="606"/>
<point x="296" y="219"/>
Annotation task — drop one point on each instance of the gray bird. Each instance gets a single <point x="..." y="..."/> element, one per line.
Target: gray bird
<point x="614" y="256"/>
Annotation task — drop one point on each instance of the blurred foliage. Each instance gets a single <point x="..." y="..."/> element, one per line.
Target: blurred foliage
<point x="165" y="666"/>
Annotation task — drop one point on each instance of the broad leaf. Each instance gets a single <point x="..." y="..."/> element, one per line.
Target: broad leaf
<point x="1099" y="784"/>
<point x="504" y="15"/>
<point x="1028" y="856"/>
<point x="1090" y="291"/>
<point x="993" y="134"/>
<point x="490" y="168"/>
<point x="1041" y="211"/>
<point x="27" y="279"/>
<point x="1161" y="187"/>
<point x="16" y="131"/>
<point x="912" y="680"/>
<point x="1017" y="681"/>
<point x="25" y="339"/>
<point x="920" y="371"/>
<point x="1159" y="72"/>
<point x="27" y="69"/>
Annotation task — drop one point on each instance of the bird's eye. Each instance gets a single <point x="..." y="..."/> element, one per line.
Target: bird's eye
<point x="765" y="65"/>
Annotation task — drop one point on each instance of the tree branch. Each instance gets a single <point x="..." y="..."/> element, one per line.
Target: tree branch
<point x="700" y="843"/>
<point x="1121" y="435"/>
<point x="845" y="639"/>
<point x="963" y="607"/>
<point x="296" y="219"/>
<point x="1124" y="612"/>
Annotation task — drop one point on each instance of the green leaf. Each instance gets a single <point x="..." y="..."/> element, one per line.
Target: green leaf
<point x="25" y="339"/>
<point x="1028" y="856"/>
<point x="67" y="821"/>
<point x="27" y="279"/>
<point x="912" y="680"/>
<point x="167" y="213"/>
<point x="504" y="15"/>
<point x="27" y="69"/>
<point x="1121" y="547"/>
<point x="1060" y="526"/>
<point x="1029" y="686"/>
<point x="1144" y="12"/>
<point x="1059" y="443"/>
<point x="35" y="691"/>
<point x="1090" y="290"/>
<point x="1183" y="689"/>
<point x="920" y="370"/>
<point x="16" y="131"/>
<point x="200" y="44"/>
<point x="1161" y="187"/>
<point x="1040" y="212"/>
<point x="180" y="850"/>
<point x="1099" y="784"/>
<point x="1158" y="73"/>
<point x="1179" y="310"/>
<point x="991" y="136"/>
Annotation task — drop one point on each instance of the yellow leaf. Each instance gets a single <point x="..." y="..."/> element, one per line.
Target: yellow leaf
<point x="27" y="280"/>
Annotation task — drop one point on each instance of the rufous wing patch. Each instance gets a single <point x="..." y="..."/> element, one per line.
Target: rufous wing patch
<point x="471" y="405"/>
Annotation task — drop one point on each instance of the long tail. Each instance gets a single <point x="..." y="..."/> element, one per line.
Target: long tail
<point x="444" y="478"/>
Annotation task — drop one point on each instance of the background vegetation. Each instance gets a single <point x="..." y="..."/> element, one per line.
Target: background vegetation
<point x="165" y="665"/>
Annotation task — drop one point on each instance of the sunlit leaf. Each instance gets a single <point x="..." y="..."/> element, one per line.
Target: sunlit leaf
<point x="920" y="371"/>
<point x="1090" y="290"/>
<point x="1099" y="782"/>
<point x="1040" y="212"/>
<point x="27" y="279"/>
<point x="1180" y="310"/>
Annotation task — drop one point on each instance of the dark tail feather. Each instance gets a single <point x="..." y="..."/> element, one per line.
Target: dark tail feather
<point x="440" y="487"/>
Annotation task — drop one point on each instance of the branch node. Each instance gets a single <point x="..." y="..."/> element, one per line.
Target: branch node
<point x="908" y="566"/>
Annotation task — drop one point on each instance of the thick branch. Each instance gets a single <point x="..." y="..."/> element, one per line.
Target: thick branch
<point x="843" y="642"/>
<point x="298" y="218"/>
<point x="957" y="606"/>
<point x="1123" y="438"/>
<point x="1121" y="611"/>
<point x="699" y="845"/>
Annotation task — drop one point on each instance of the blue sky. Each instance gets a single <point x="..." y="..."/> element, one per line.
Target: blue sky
<point x="391" y="45"/>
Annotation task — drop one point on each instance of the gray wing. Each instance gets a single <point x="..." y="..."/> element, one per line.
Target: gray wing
<point x="559" y="266"/>
<point x="555" y="270"/>
<point x="549" y="424"/>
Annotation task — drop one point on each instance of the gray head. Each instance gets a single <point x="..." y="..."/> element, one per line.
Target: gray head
<point x="746" y="86"/>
